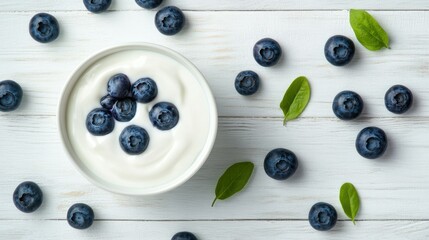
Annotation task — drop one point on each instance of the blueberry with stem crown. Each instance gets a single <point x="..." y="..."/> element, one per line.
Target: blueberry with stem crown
<point x="339" y="50"/>
<point x="169" y="20"/>
<point x="28" y="197"/>
<point x="10" y="95"/>
<point x="44" y="28"/>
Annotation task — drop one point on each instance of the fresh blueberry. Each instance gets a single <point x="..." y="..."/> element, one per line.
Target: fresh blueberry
<point x="322" y="216"/>
<point x="100" y="122"/>
<point x="164" y="115"/>
<point x="124" y="110"/>
<point x="347" y="105"/>
<point x="267" y="52"/>
<point x="280" y="163"/>
<point x="149" y="4"/>
<point x="169" y="20"/>
<point x="398" y="99"/>
<point x="28" y="197"/>
<point x="44" y="28"/>
<point x="144" y="90"/>
<point x="80" y="216"/>
<point x="10" y="95"/>
<point x="119" y="86"/>
<point x="247" y="83"/>
<point x="108" y="102"/>
<point x="339" y="50"/>
<point x="134" y="140"/>
<point x="184" y="236"/>
<point x="97" y="6"/>
<point x="371" y="142"/>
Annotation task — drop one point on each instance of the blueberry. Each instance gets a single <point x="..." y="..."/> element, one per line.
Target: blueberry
<point x="97" y="6"/>
<point x="44" y="28"/>
<point x="164" y="115"/>
<point x="347" y="105"/>
<point x="169" y="20"/>
<point x="119" y="86"/>
<point x="27" y="197"/>
<point x="371" y="142"/>
<point x="339" y="50"/>
<point x="144" y="90"/>
<point x="280" y="163"/>
<point x="80" y="216"/>
<point x="124" y="110"/>
<point x="247" y="83"/>
<point x="184" y="236"/>
<point x="10" y="95"/>
<point x="100" y="122"/>
<point x="149" y="4"/>
<point x="108" y="102"/>
<point x="398" y="99"/>
<point x="267" y="52"/>
<point x="134" y="139"/>
<point x="322" y="216"/>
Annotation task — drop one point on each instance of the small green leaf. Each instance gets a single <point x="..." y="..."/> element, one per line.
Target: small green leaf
<point x="295" y="99"/>
<point x="369" y="33"/>
<point x="233" y="180"/>
<point x="349" y="199"/>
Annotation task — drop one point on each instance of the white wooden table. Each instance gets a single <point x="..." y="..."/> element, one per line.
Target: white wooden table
<point x="218" y="38"/>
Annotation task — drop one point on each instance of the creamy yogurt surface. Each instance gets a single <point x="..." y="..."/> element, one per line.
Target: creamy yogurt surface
<point x="170" y="152"/>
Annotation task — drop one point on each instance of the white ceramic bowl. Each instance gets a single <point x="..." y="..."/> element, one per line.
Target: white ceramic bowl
<point x="105" y="183"/>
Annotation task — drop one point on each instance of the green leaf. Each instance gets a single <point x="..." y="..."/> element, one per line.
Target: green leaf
<point x="349" y="199"/>
<point x="369" y="33"/>
<point x="233" y="180"/>
<point x="295" y="99"/>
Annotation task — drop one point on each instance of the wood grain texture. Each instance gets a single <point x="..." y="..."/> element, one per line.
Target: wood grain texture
<point x="227" y="230"/>
<point x="240" y="5"/>
<point x="220" y="44"/>
<point x="393" y="187"/>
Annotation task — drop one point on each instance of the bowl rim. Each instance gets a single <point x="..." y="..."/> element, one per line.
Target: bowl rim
<point x="93" y="58"/>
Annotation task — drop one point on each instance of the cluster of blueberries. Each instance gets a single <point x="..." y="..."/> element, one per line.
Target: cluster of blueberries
<point x="169" y="20"/>
<point x="371" y="142"/>
<point x="120" y="104"/>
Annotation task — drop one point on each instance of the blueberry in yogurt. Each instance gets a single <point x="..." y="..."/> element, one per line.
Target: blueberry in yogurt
<point x="100" y="122"/>
<point x="144" y="90"/>
<point x="149" y="4"/>
<point x="247" y="83"/>
<point x="119" y="86"/>
<point x="124" y="110"/>
<point x="134" y="140"/>
<point x="184" y="236"/>
<point x="169" y="20"/>
<point x="339" y="50"/>
<point x="164" y="115"/>
<point x="44" y="28"/>
<point x="347" y="105"/>
<point x="398" y="99"/>
<point x="28" y="197"/>
<point x="10" y="95"/>
<point x="80" y="216"/>
<point x="108" y="102"/>
<point x="280" y="164"/>
<point x="371" y="142"/>
<point x="267" y="52"/>
<point x="97" y="6"/>
<point x="322" y="216"/>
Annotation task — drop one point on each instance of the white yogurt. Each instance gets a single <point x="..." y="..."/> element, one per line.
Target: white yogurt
<point x="170" y="152"/>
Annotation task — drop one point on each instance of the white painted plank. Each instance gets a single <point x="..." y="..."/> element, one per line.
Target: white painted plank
<point x="227" y="230"/>
<point x="393" y="187"/>
<point x="240" y="5"/>
<point x="220" y="44"/>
